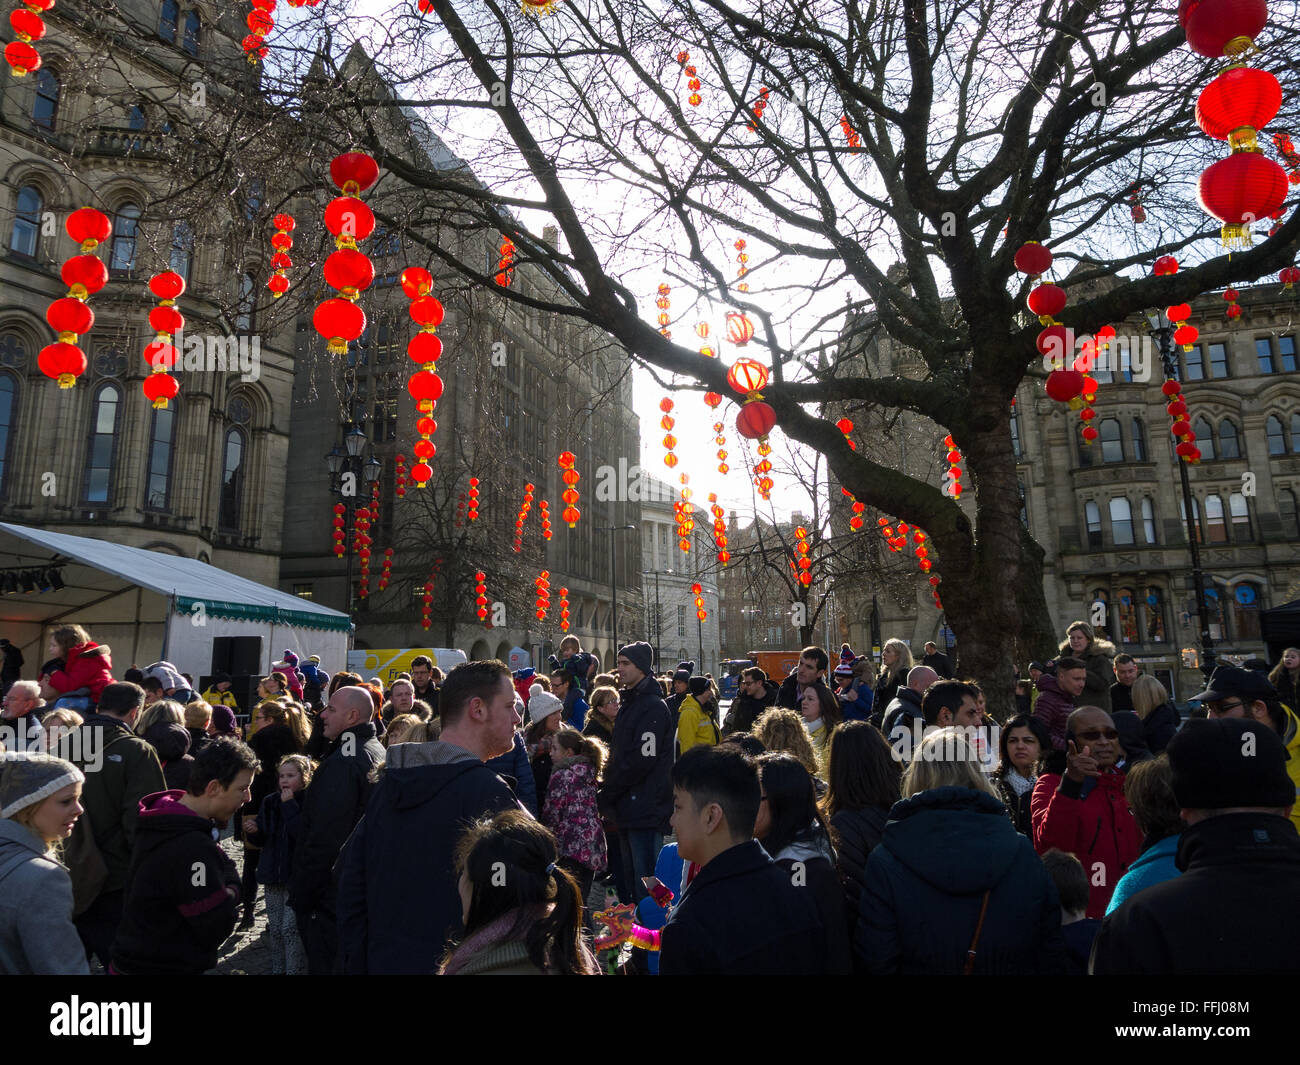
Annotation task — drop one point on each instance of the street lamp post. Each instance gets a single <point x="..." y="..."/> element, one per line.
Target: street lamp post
<point x="347" y="461"/>
<point x="613" y="575"/>
<point x="1162" y="332"/>
<point x="658" y="629"/>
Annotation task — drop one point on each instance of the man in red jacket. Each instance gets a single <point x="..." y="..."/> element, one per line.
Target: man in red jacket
<point x="1084" y="812"/>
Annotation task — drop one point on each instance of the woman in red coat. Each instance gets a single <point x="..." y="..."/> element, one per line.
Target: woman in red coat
<point x="79" y="669"/>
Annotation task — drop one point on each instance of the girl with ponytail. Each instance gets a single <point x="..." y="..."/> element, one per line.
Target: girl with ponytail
<point x="522" y="911"/>
<point x="570" y="808"/>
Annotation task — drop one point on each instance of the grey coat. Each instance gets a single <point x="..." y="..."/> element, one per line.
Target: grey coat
<point x="37" y="937"/>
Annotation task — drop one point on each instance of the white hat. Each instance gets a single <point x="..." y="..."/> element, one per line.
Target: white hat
<point x="542" y="704"/>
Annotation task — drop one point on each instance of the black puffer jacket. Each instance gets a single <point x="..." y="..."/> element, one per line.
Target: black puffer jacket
<point x="172" y="742"/>
<point x="638" y="791"/>
<point x="745" y="709"/>
<point x="855" y="834"/>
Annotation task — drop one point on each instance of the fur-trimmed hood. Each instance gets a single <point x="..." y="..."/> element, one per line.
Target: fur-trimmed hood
<point x="1097" y="647"/>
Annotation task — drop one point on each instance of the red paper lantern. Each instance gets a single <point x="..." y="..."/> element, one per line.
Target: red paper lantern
<point x="1033" y="258"/>
<point x="425" y="386"/>
<point x="339" y="321"/>
<point x="278" y="284"/>
<point x="22" y="58"/>
<point x="1186" y="336"/>
<point x="1054" y="342"/>
<point x="740" y="330"/>
<point x="159" y="388"/>
<point x="755" y="420"/>
<point x="68" y="315"/>
<point x="712" y="399"/>
<point x="416" y="281"/>
<point x="1064" y="385"/>
<point x="167" y="286"/>
<point x="424" y="348"/>
<point x="355" y="169"/>
<point x="27" y="24"/>
<point x="88" y="226"/>
<point x="1239" y="190"/>
<point x="1237" y="103"/>
<point x="161" y="354"/>
<point x="1166" y="264"/>
<point x="349" y="271"/>
<point x="348" y="217"/>
<point x="164" y="319"/>
<point x="63" y="362"/>
<point x="1222" y="27"/>
<point x="421" y="473"/>
<point x="747" y="375"/>
<point x="1047" y="301"/>
<point x="1289" y="275"/>
<point x="84" y="274"/>
<point x="426" y="311"/>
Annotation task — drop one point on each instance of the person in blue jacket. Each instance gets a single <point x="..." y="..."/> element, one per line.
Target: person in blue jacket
<point x="1149" y="789"/>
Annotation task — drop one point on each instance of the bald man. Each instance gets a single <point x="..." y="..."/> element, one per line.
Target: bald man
<point x="331" y="809"/>
<point x="905" y="708"/>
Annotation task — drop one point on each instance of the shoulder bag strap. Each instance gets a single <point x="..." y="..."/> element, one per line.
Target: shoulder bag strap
<point x="970" y="954"/>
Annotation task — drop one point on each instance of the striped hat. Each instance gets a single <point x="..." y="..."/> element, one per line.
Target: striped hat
<point x="26" y="779"/>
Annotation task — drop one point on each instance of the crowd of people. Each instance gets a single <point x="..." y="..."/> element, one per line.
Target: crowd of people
<point x="857" y="819"/>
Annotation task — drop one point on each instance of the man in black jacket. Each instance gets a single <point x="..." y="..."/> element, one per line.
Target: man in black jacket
<point x="743" y="914"/>
<point x="681" y="688"/>
<point x="903" y="714"/>
<point x="331" y="808"/>
<point x="398" y="890"/>
<point x="937" y="660"/>
<point x="813" y="662"/>
<point x="637" y="793"/>
<point x="182" y="891"/>
<point x="757" y="693"/>
<point x="1232" y="909"/>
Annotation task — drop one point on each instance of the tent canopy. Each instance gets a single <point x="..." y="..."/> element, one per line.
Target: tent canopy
<point x="93" y="571"/>
<point x="1280" y="627"/>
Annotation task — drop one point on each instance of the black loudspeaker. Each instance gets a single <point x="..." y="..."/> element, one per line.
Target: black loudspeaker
<point x="237" y="655"/>
<point x="243" y="688"/>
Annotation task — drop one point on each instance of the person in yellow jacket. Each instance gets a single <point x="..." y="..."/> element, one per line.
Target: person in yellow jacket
<point x="219" y="693"/>
<point x="1235" y="692"/>
<point x="696" y="717"/>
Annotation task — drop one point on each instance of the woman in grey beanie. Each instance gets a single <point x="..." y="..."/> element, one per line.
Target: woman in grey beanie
<point x="39" y="805"/>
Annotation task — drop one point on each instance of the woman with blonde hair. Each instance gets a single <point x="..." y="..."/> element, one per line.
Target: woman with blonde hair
<point x="55" y="724"/>
<point x="406" y="728"/>
<point x="783" y="730"/>
<point x="1098" y="656"/>
<point x="895" y="661"/>
<point x="953" y="887"/>
<point x="1160" y="718"/>
<point x="1286" y="678"/>
<point x="162" y="726"/>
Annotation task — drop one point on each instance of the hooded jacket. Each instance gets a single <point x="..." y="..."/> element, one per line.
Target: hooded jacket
<point x="1093" y="822"/>
<point x="572" y="815"/>
<point x="182" y="892"/>
<point x="88" y="665"/>
<point x="745" y="709"/>
<point x="333" y="805"/>
<point x="1053" y="708"/>
<point x="904" y="710"/>
<point x="1230" y="912"/>
<point x="1154" y="865"/>
<point x="1099" y="659"/>
<point x="638" y="791"/>
<point x="695" y="727"/>
<point x="37" y="936"/>
<point x="398" y="902"/>
<point x="171" y="742"/>
<point x="277" y="835"/>
<point x="941" y="851"/>
<point x="810" y="863"/>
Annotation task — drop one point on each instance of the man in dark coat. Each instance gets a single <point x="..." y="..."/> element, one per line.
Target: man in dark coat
<point x="681" y="688"/>
<point x="742" y="914"/>
<point x="399" y="900"/>
<point x="637" y="793"/>
<point x="1231" y="909"/>
<point x="903" y="713"/>
<point x="813" y="663"/>
<point x="1056" y="695"/>
<point x="937" y="660"/>
<point x="332" y="806"/>
<point x="182" y="892"/>
<point x="756" y="694"/>
<point x="1121" y="692"/>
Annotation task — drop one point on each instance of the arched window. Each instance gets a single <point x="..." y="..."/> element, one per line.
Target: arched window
<point x="1204" y="438"/>
<point x="1216" y="529"/>
<point x="1149" y="520"/>
<point x="1092" y="513"/>
<point x="1216" y="591"/>
<point x="232" y="481"/>
<point x="1198" y="532"/>
<point x="45" y="106"/>
<point x="1121" y="521"/>
<point x="1286" y="503"/>
<point x="1112" y="446"/>
<point x="8" y="418"/>
<point x="182" y="249"/>
<point x="1155" y="616"/>
<point x="244" y="304"/>
<point x="100" y="452"/>
<point x="1128" y="618"/>
<point x="162" y="439"/>
<point x="1273" y="433"/>
<point x="1245" y="610"/>
<point x="193" y="29"/>
<point x="1099" y="609"/>
<point x="1295" y="434"/>
<point x="126" y="225"/>
<point x="1229" y="444"/>
<point x="168" y="17"/>
<point x="26" y="236"/>
<point x="1239" y="512"/>
<point x="1139" y="441"/>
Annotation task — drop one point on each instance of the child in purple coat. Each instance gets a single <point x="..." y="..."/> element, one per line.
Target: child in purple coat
<point x="570" y="808"/>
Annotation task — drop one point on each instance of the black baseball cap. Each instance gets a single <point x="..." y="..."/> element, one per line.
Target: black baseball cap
<point x="1230" y="681"/>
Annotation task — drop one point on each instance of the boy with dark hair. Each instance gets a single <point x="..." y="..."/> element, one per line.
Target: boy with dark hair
<point x="743" y="913"/>
<point x="813" y="663"/>
<point x="1077" y="928"/>
<point x="182" y="891"/>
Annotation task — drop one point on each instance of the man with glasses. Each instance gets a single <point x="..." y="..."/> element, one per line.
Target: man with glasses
<point x="20" y="719"/>
<point x="756" y="694"/>
<point x="1244" y="693"/>
<point x="1083" y="812"/>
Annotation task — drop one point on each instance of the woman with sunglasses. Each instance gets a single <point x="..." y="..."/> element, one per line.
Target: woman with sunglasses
<point x="1083" y="811"/>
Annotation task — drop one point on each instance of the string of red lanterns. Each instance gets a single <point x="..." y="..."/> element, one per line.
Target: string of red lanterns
<point x="473" y="499"/>
<point x="756" y="418"/>
<point x="850" y="134"/>
<point x="460" y="510"/>
<point x="570" y="477"/>
<point x="564" y="609"/>
<point x="1233" y="310"/>
<point x="281" y="241"/>
<point x="424" y="349"/>
<point x="28" y="26"/>
<point x="666" y="423"/>
<point x="1180" y="427"/>
<point x="742" y="257"/>
<point x="759" y="106"/>
<point x="84" y="274"/>
<point x="698" y="590"/>
<point x="543" y="586"/>
<point x="399" y="475"/>
<point x="386" y="568"/>
<point x="340" y="524"/>
<point x="523" y="517"/>
<point x="1136" y="211"/>
<point x="480" y="597"/>
<point x="160" y="353"/>
<point x="260" y="23"/>
<point x="845" y="426"/>
<point x="952" y="475"/>
<point x="663" y="303"/>
<point x="545" y="509"/>
<point x="361" y="545"/>
<point x="897" y="540"/>
<point x="426" y="604"/>
<point x="719" y="530"/>
<point x="684" y="514"/>
<point x="801" y="565"/>
<point x="340" y="320"/>
<point x="506" y="262"/>
<point x="692" y="78"/>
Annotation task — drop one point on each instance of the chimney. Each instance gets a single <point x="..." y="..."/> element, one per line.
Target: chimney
<point x="551" y="235"/>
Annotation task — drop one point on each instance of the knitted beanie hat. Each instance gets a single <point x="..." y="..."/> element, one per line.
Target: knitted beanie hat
<point x="847" y="658"/>
<point x="541" y="703"/>
<point x="26" y="779"/>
